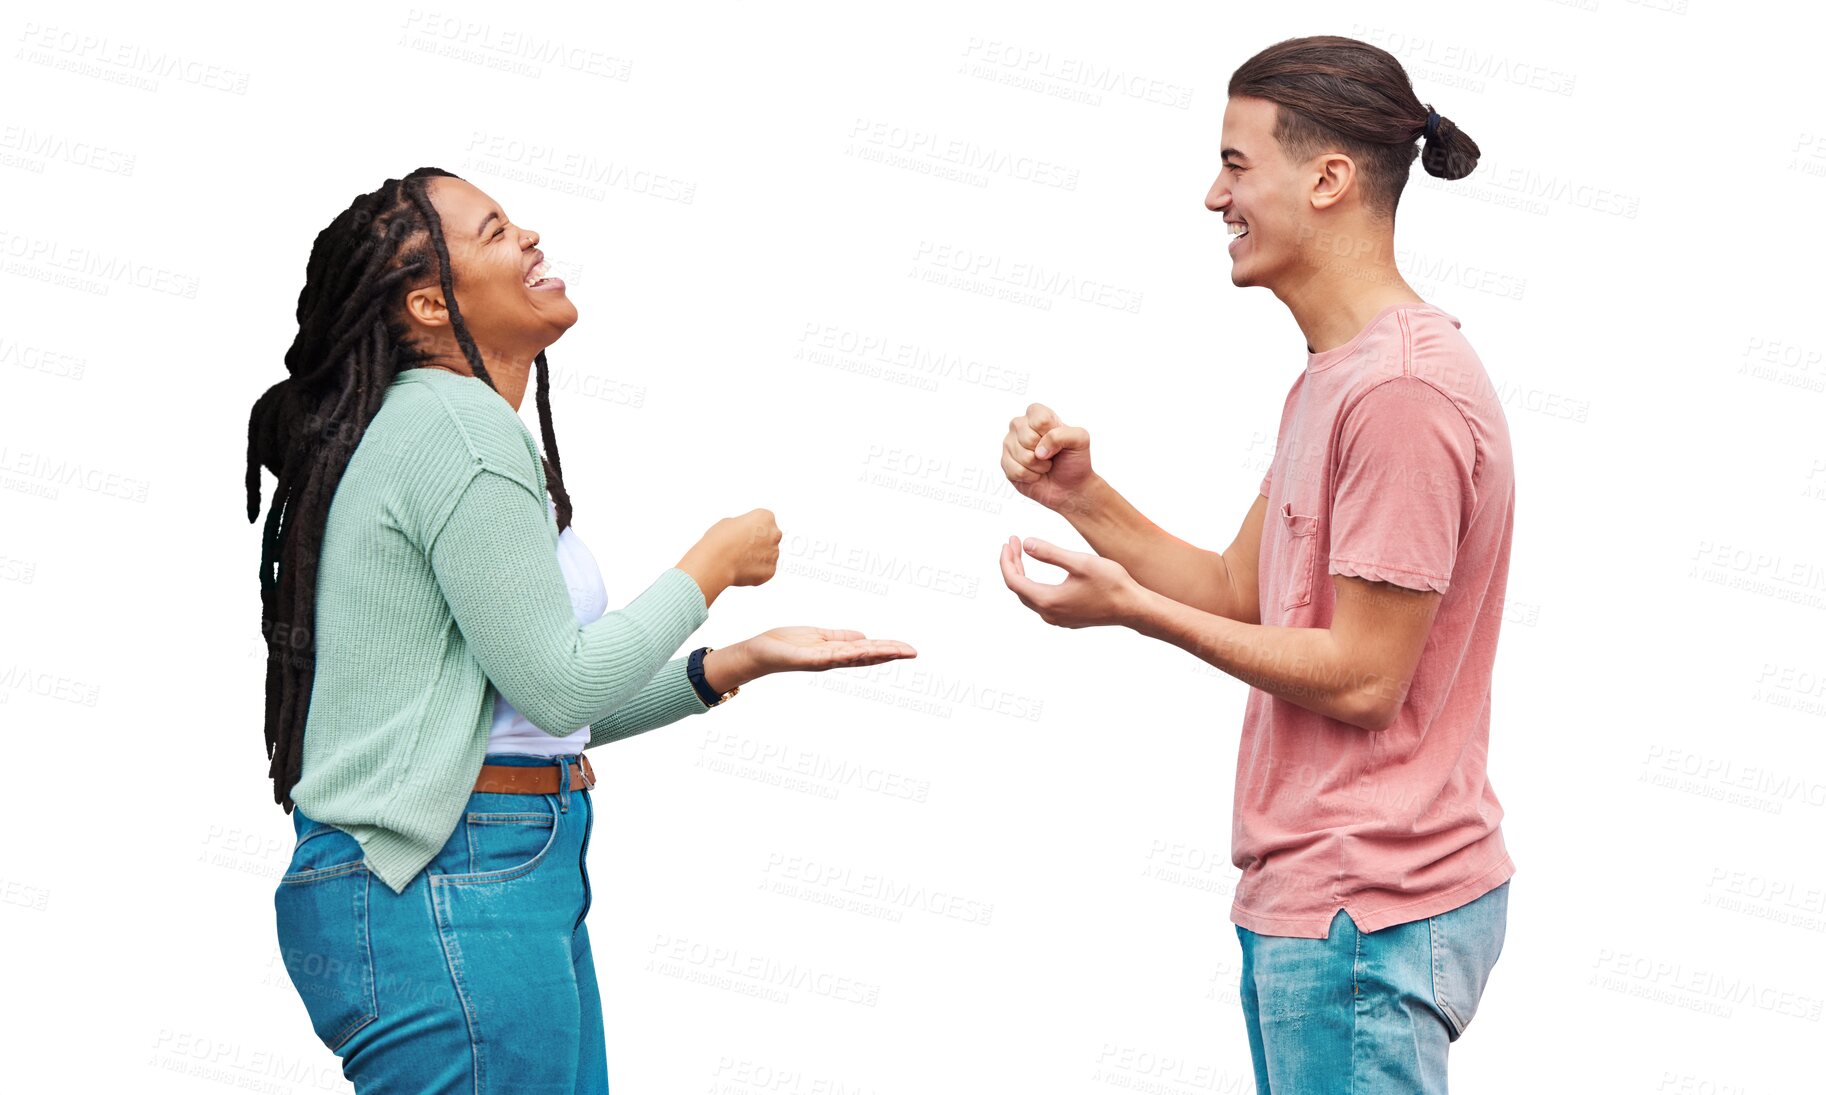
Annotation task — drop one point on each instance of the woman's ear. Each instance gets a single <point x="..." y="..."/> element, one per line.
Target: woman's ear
<point x="426" y="306"/>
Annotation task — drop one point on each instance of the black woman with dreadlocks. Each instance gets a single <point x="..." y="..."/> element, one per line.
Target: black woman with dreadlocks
<point x="439" y="656"/>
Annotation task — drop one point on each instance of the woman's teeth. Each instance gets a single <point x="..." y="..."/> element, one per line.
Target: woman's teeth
<point x="1237" y="228"/>
<point x="537" y="274"/>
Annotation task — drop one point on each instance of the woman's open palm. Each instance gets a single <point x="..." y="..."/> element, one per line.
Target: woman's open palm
<point x="785" y="649"/>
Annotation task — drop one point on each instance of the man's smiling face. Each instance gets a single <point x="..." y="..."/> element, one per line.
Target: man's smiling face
<point x="1258" y="195"/>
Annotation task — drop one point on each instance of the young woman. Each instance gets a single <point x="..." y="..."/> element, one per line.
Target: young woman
<point x="440" y="658"/>
<point x="1361" y="598"/>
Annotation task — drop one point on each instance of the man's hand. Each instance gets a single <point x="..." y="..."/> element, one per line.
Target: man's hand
<point x="1047" y="460"/>
<point x="1096" y="591"/>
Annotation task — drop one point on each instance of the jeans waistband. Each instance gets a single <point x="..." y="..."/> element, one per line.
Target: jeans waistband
<point x="301" y="822"/>
<point x="563" y="761"/>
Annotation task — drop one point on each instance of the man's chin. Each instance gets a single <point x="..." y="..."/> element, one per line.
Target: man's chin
<point x="1246" y="274"/>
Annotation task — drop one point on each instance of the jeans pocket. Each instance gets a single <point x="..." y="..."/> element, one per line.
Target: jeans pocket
<point x="1466" y="943"/>
<point x="321" y="906"/>
<point x="505" y="844"/>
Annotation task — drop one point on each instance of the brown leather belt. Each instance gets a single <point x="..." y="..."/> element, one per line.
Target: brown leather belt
<point x="540" y="779"/>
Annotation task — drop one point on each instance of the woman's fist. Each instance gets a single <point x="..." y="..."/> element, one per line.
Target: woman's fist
<point x="749" y="546"/>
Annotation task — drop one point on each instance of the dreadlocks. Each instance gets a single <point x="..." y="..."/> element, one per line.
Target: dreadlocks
<point x="352" y="341"/>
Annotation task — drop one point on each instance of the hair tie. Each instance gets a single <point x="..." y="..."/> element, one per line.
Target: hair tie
<point x="1432" y="122"/>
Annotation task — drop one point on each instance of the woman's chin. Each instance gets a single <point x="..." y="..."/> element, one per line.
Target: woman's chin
<point x="559" y="320"/>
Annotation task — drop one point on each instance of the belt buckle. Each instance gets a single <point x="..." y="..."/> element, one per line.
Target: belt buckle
<point x="589" y="777"/>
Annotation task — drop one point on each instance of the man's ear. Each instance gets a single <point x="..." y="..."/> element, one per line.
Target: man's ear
<point x="1333" y="176"/>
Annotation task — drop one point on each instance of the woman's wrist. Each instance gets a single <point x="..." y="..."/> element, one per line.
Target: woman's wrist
<point x="710" y="581"/>
<point x="729" y="667"/>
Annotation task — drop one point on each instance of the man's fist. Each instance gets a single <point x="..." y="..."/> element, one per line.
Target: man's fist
<point x="1047" y="460"/>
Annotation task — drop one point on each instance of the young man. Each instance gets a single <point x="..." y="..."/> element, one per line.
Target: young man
<point x="1361" y="599"/>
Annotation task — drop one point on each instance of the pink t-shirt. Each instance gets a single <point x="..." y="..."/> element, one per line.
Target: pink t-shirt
<point x="1392" y="463"/>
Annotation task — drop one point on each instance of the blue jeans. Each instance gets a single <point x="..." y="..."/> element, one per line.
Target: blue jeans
<point x="477" y="978"/>
<point x="1367" y="1013"/>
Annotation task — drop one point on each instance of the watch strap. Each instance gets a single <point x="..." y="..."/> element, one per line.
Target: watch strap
<point x="694" y="669"/>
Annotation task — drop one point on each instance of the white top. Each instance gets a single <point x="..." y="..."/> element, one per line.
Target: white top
<point x="511" y="732"/>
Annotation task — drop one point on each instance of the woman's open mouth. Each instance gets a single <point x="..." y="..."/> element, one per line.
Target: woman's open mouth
<point x="537" y="278"/>
<point x="1238" y="230"/>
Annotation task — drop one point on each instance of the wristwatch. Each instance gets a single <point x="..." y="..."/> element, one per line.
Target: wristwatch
<point x="694" y="668"/>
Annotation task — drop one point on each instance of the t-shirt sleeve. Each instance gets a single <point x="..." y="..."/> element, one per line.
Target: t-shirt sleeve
<point x="1264" y="487"/>
<point x="494" y="562"/>
<point x="1403" y="486"/>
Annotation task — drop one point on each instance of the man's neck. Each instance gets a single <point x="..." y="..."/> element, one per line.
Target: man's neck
<point x="1335" y="295"/>
<point x="1331" y="311"/>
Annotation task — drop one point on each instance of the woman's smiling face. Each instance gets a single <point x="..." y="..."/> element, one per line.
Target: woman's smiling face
<point x="492" y="260"/>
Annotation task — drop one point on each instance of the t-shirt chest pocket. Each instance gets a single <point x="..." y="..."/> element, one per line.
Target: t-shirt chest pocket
<point x="1301" y="538"/>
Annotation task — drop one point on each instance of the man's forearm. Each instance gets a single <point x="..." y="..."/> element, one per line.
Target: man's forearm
<point x="1303" y="665"/>
<point x="1156" y="558"/>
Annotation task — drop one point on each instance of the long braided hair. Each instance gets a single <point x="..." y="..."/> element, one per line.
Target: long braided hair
<point x="352" y="341"/>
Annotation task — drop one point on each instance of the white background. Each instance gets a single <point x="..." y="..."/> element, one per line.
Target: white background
<point x="1635" y="260"/>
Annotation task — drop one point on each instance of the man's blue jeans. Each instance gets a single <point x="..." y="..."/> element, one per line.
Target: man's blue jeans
<point x="1368" y="1013"/>
<point x="477" y="978"/>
